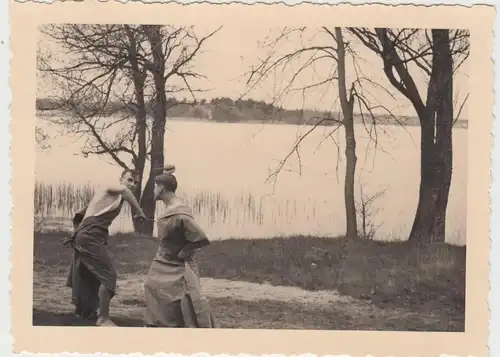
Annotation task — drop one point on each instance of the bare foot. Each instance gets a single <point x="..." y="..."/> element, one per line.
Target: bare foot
<point x="105" y="322"/>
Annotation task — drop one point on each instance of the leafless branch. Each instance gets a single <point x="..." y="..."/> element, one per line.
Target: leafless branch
<point x="461" y="108"/>
<point x="304" y="57"/>
<point x="99" y="70"/>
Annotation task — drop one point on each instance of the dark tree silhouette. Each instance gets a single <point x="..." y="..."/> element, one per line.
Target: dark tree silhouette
<point x="437" y="53"/>
<point x="334" y="50"/>
<point x="137" y="66"/>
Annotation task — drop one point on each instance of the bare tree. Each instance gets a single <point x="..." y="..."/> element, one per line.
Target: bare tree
<point x="436" y="53"/>
<point x="109" y="77"/>
<point x="366" y="212"/>
<point x="334" y="51"/>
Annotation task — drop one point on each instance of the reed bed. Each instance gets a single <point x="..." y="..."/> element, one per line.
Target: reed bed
<point x="64" y="198"/>
<point x="222" y="215"/>
<point x="59" y="202"/>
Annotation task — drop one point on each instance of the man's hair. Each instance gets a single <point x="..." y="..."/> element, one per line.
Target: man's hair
<point x="168" y="182"/>
<point x="129" y="171"/>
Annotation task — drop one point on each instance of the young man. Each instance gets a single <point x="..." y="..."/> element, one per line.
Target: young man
<point x="172" y="288"/>
<point x="92" y="275"/>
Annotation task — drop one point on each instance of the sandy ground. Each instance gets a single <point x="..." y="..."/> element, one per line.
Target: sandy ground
<point x="52" y="296"/>
<point x="131" y="287"/>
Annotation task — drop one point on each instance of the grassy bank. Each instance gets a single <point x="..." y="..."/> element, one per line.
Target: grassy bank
<point x="430" y="281"/>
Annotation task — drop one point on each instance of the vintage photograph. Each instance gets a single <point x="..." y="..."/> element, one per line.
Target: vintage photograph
<point x="299" y="178"/>
<point x="234" y="179"/>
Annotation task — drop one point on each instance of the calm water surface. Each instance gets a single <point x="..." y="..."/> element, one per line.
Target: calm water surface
<point x="227" y="165"/>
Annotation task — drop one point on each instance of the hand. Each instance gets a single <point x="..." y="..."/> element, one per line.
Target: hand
<point x="141" y="217"/>
<point x="184" y="255"/>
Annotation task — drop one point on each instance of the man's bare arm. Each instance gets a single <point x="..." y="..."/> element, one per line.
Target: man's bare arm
<point x="127" y="195"/>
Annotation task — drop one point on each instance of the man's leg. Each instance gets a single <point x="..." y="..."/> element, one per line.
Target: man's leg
<point x="89" y="293"/>
<point x="105" y="297"/>
<point x="106" y="274"/>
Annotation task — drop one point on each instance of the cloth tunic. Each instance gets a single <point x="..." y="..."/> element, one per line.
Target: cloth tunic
<point x="172" y="288"/>
<point x="91" y="263"/>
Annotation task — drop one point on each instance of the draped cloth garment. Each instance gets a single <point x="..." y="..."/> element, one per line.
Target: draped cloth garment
<point x="91" y="264"/>
<point x="172" y="288"/>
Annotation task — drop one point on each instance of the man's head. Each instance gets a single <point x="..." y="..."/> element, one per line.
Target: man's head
<point x="129" y="178"/>
<point x="165" y="186"/>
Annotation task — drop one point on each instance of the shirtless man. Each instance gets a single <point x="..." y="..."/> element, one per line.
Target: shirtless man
<point x="92" y="275"/>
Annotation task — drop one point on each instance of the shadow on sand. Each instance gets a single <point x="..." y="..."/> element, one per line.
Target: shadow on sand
<point x="46" y="318"/>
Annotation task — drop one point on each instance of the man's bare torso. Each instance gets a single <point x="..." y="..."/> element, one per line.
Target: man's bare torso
<point x="101" y="200"/>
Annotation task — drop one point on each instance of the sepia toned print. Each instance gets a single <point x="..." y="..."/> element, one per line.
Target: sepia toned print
<point x="252" y="176"/>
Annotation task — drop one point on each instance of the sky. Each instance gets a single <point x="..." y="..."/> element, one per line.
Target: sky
<point x="225" y="63"/>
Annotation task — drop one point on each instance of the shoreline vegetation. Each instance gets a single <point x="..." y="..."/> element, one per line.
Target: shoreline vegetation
<point x="225" y="110"/>
<point x="56" y="203"/>
<point x="59" y="202"/>
<point x="387" y="275"/>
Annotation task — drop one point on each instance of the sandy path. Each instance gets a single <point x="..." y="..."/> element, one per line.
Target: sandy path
<point x="50" y="294"/>
<point x="253" y="291"/>
<point x="131" y="286"/>
<point x="222" y="288"/>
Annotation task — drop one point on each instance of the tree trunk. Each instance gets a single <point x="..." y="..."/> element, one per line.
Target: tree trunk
<point x="139" y="79"/>
<point x="148" y="205"/>
<point x="347" y="105"/>
<point x="436" y="121"/>
<point x="350" y="154"/>
<point x="153" y="33"/>
<point x="423" y="224"/>
<point x="436" y="146"/>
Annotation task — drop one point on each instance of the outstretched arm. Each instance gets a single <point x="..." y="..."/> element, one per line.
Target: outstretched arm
<point x="127" y="195"/>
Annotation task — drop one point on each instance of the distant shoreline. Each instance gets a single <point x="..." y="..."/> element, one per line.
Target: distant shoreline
<point x="227" y="110"/>
<point x="410" y="122"/>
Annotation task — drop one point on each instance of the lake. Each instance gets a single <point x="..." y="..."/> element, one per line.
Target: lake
<point x="222" y="170"/>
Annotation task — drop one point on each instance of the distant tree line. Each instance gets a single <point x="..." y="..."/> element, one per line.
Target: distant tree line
<point x="227" y="110"/>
